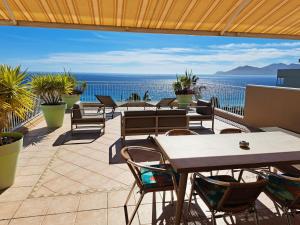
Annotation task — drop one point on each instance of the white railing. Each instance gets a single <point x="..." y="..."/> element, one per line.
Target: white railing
<point x="226" y="97"/>
<point x="15" y="122"/>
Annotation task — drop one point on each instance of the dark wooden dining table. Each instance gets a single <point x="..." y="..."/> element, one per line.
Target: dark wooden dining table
<point x="201" y="153"/>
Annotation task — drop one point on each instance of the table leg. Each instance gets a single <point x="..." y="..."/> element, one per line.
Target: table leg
<point x="180" y="197"/>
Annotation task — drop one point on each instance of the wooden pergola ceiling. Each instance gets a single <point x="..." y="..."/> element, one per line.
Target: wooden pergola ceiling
<point x="246" y="18"/>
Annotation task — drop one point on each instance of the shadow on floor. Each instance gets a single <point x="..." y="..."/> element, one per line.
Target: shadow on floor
<point x="37" y="135"/>
<point x="82" y="137"/>
<point x="115" y="151"/>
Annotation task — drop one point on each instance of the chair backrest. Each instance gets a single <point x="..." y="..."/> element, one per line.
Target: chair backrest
<point x="240" y="196"/>
<point x="230" y="131"/>
<point x="76" y="111"/>
<point x="204" y="107"/>
<point x="106" y="100"/>
<point x="291" y="186"/>
<point x="125" y="153"/>
<point x="171" y="119"/>
<point x="176" y="132"/>
<point x="165" y="102"/>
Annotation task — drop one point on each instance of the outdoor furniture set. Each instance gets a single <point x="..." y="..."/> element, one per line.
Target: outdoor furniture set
<point x="186" y="152"/>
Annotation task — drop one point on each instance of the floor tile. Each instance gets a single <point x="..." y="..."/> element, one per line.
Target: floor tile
<point x="93" y="201"/>
<point x="118" y="198"/>
<point x="33" y="207"/>
<point x="15" y="194"/>
<point x="63" y="204"/>
<point x="28" y="221"/>
<point x="8" y="209"/>
<point x="60" y="219"/>
<point x="94" y="217"/>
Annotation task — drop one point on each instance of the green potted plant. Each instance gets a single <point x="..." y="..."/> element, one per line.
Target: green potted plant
<point x="50" y="88"/>
<point x="183" y="88"/>
<point x="78" y="87"/>
<point x="15" y="100"/>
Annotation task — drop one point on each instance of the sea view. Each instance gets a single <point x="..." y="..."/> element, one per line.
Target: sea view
<point x="120" y="86"/>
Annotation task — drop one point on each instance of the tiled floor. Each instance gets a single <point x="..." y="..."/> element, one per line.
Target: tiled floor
<point x="81" y="180"/>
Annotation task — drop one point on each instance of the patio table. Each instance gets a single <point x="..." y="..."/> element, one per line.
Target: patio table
<point x="200" y="153"/>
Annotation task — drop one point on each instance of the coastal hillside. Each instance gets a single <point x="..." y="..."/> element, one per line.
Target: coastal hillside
<point x="252" y="70"/>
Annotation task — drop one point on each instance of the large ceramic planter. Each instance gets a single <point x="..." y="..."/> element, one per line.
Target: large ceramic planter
<point x="70" y="100"/>
<point x="184" y="100"/>
<point x="8" y="160"/>
<point x="54" y="114"/>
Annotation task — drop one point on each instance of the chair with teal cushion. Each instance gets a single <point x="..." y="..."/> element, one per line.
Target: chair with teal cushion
<point x="224" y="194"/>
<point x="149" y="178"/>
<point x="284" y="190"/>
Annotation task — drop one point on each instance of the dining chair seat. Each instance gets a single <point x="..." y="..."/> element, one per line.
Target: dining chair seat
<point x="156" y="179"/>
<point x="285" y="191"/>
<point x="213" y="193"/>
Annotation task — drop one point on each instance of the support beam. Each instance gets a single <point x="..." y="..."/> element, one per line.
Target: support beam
<point x="247" y="15"/>
<point x="48" y="11"/>
<point x="281" y="20"/>
<point x="164" y="13"/>
<point x="119" y="15"/>
<point x="208" y="11"/>
<point x="96" y="12"/>
<point x="156" y="31"/>
<point x="186" y="13"/>
<point x="142" y="12"/>
<point x="266" y="15"/>
<point x="235" y="14"/>
<point x="10" y="12"/>
<point x="72" y="11"/>
<point x="23" y="10"/>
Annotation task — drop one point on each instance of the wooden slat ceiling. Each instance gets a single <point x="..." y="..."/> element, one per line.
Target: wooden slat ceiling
<point x="247" y="18"/>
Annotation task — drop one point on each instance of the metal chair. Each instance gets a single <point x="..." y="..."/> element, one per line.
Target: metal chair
<point x="153" y="178"/>
<point x="284" y="191"/>
<point x="165" y="102"/>
<point x="176" y="132"/>
<point x="224" y="194"/>
<point x="108" y="102"/>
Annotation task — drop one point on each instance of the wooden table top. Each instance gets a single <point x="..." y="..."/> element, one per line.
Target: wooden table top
<point x="193" y="153"/>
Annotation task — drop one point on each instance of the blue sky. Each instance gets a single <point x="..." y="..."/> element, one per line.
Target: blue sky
<point x="39" y="49"/>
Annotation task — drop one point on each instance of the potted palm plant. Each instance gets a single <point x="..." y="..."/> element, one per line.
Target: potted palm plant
<point x="183" y="88"/>
<point x="78" y="87"/>
<point x="50" y="88"/>
<point x="15" y="100"/>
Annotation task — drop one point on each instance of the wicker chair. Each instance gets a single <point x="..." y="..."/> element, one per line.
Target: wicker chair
<point x="224" y="194"/>
<point x="153" y="178"/>
<point x="284" y="191"/>
<point x="108" y="102"/>
<point x="176" y="132"/>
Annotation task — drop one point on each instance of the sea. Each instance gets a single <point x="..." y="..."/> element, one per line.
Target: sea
<point x="121" y="86"/>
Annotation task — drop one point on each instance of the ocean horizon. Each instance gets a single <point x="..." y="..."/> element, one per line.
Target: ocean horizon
<point x="121" y="86"/>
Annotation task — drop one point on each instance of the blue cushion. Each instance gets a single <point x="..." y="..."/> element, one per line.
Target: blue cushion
<point x="282" y="188"/>
<point x="155" y="179"/>
<point x="212" y="192"/>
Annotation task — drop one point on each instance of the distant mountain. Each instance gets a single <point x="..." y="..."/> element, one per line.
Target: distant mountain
<point x="252" y="70"/>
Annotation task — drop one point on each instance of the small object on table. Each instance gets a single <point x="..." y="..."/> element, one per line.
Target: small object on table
<point x="244" y="145"/>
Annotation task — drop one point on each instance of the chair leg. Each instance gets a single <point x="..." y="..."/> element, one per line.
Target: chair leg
<point x="126" y="202"/>
<point x="136" y="208"/>
<point x="287" y="215"/>
<point x="255" y="216"/>
<point x="191" y="194"/>
<point x="130" y="193"/>
<point x="213" y="218"/>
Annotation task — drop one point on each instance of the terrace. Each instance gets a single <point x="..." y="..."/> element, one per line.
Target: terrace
<point x="80" y="179"/>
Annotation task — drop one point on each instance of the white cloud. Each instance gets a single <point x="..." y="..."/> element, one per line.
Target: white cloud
<point x="169" y="60"/>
